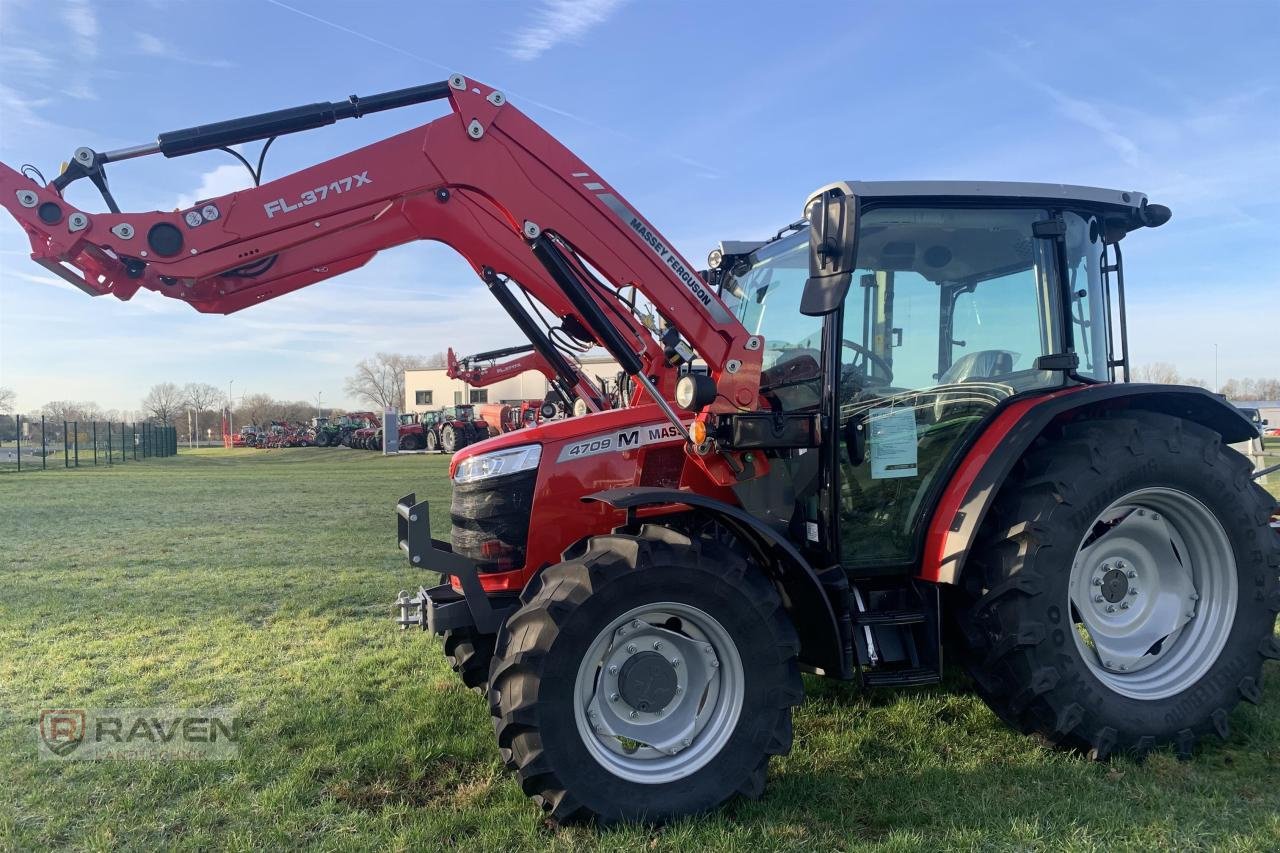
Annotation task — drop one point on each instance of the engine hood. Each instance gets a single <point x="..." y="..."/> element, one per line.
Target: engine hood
<point x="554" y="432"/>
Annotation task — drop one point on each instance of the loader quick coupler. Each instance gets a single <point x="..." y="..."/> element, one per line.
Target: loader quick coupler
<point x="441" y="608"/>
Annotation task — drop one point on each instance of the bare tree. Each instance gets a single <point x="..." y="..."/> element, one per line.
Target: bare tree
<point x="7" y="401"/>
<point x="163" y="401"/>
<point x="254" y="409"/>
<point x="1252" y="389"/>
<point x="1161" y="372"/>
<point x="380" y="380"/>
<point x="72" y="410"/>
<point x="201" y="397"/>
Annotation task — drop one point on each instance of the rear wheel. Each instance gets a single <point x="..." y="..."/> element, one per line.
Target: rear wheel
<point x="409" y="442"/>
<point x="1128" y="587"/>
<point x="651" y="676"/>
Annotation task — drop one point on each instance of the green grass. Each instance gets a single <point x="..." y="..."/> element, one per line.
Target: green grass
<point x="263" y="579"/>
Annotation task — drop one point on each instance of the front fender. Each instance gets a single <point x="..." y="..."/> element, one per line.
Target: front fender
<point x="804" y="596"/>
<point x="977" y="479"/>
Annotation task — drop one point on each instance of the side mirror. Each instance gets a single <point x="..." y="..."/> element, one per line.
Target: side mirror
<point x="833" y="250"/>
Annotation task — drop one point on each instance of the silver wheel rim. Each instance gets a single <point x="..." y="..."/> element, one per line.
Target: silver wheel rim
<point x="649" y="745"/>
<point x="1153" y="591"/>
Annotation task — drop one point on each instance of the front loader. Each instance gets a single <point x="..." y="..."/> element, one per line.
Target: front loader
<point x="900" y="427"/>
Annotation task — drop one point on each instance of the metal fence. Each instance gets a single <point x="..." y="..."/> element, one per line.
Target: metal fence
<point x="45" y="444"/>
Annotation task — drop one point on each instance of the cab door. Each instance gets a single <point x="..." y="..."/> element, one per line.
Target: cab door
<point x="946" y="315"/>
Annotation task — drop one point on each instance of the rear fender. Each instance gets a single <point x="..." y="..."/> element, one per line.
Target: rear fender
<point x="803" y="594"/>
<point x="977" y="479"/>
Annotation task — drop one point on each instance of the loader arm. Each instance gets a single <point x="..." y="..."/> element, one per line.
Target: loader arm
<point x="484" y="369"/>
<point x="483" y="179"/>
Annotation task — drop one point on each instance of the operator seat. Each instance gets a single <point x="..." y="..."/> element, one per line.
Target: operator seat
<point x="971" y="367"/>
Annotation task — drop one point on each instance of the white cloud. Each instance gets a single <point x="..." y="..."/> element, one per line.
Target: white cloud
<point x="558" y="21"/>
<point x="79" y="17"/>
<point x="14" y="107"/>
<point x="150" y="45"/>
<point x="224" y="179"/>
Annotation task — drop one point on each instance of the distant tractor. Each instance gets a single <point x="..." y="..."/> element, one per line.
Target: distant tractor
<point x="326" y="433"/>
<point x="452" y="428"/>
<point x="349" y="423"/>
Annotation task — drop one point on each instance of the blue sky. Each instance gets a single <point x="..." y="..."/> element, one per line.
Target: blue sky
<point x="714" y="119"/>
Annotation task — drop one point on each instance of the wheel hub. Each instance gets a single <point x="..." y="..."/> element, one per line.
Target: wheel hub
<point x="647" y="682"/>
<point x="654" y="699"/>
<point x="1114" y="586"/>
<point x="1136" y="587"/>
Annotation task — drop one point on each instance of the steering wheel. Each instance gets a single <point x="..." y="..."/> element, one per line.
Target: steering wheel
<point x="869" y="356"/>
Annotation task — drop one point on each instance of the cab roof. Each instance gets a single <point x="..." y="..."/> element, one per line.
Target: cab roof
<point x="992" y="189"/>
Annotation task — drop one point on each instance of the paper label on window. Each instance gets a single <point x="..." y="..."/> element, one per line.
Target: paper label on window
<point x="811" y="531"/>
<point x="893" y="443"/>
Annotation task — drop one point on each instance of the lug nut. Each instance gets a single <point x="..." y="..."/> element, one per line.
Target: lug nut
<point x="686" y="741"/>
<point x="631" y="648"/>
<point x="1133" y="590"/>
<point x="679" y="689"/>
<point x="1195" y="596"/>
<point x="613" y="697"/>
<point x="657" y="645"/>
<point x="1111" y="608"/>
<point x="1119" y="564"/>
<point x="1124" y="605"/>
<point x="613" y="669"/>
<point x="1106" y="567"/>
<point x="1131" y="574"/>
<point x="1097" y="581"/>
<point x="714" y="663"/>
<point x="1097" y="599"/>
<point x="675" y="661"/>
<point x="634" y="714"/>
<point x="1155" y="516"/>
<point x="635" y="623"/>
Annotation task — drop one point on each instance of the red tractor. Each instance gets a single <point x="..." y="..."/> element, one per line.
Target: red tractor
<point x="351" y="423"/>
<point x="899" y="426"/>
<point x="452" y="428"/>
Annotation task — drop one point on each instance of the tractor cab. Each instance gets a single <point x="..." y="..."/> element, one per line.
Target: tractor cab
<point x="957" y="297"/>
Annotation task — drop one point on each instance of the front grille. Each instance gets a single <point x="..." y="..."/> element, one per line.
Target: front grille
<point x="491" y="520"/>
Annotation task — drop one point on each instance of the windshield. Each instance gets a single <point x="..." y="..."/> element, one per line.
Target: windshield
<point x="768" y="304"/>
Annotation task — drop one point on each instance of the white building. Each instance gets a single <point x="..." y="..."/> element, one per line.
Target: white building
<point x="431" y="388"/>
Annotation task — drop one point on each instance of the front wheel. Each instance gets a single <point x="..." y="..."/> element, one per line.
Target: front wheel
<point x="650" y="677"/>
<point x="1128" y="588"/>
<point x="433" y="443"/>
<point x="448" y="438"/>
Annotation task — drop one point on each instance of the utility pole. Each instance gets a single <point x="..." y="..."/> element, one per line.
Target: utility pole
<point x="319" y="409"/>
<point x="231" y="428"/>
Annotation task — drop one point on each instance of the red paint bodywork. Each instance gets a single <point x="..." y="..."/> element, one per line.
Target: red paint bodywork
<point x="560" y="517"/>
<point x="936" y="546"/>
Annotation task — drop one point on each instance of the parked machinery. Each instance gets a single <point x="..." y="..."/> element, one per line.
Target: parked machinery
<point x="907" y="434"/>
<point x="325" y="432"/>
<point x="452" y="428"/>
<point x="349" y="423"/>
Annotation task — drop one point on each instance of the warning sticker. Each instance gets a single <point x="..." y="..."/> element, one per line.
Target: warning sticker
<point x="893" y="443"/>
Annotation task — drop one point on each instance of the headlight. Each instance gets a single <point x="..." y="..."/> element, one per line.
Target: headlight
<point x="499" y="463"/>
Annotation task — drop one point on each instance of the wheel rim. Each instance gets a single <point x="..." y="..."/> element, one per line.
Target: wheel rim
<point x="1153" y="591"/>
<point x="628" y="670"/>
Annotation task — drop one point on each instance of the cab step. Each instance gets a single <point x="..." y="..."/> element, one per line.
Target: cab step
<point x="910" y="677"/>
<point x="891" y="617"/>
<point x="896" y="634"/>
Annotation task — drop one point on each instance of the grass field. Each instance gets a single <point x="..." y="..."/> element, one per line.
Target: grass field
<point x="263" y="580"/>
